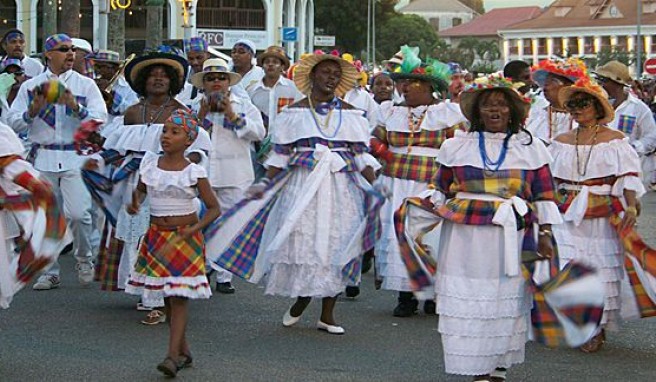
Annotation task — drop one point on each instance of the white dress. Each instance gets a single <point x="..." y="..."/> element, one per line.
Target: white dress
<point x="613" y="167"/>
<point x="482" y="297"/>
<point x="394" y="129"/>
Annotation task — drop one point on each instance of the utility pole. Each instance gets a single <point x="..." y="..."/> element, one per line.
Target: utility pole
<point x="639" y="42"/>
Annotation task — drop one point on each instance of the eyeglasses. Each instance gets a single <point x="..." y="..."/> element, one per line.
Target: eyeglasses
<point x="65" y="49"/>
<point x="577" y="104"/>
<point x="221" y="77"/>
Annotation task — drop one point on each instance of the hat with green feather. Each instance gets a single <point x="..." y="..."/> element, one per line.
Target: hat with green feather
<point x="412" y="68"/>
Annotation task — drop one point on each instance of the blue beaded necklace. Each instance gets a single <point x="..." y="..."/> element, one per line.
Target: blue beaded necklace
<point x="487" y="162"/>
<point x="326" y="109"/>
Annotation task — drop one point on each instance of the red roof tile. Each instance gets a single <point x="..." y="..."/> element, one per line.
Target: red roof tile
<point x="489" y="23"/>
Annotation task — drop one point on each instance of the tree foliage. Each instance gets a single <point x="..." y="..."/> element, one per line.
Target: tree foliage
<point x="476" y="5"/>
<point x="606" y="54"/>
<point x="405" y="29"/>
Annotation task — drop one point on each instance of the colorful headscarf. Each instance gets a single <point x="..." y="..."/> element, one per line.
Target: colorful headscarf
<point x="7" y="62"/>
<point x="433" y="71"/>
<point x="56" y="39"/>
<point x="185" y="119"/>
<point x="195" y="44"/>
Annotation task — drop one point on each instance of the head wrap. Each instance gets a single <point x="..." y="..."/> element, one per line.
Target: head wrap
<point x="104" y="55"/>
<point x="185" y="119"/>
<point x="56" y="39"/>
<point x="11" y="34"/>
<point x="7" y="62"/>
<point x="195" y="44"/>
<point x="248" y="44"/>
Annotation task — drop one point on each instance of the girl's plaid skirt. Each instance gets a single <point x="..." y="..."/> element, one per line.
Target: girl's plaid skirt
<point x="169" y="265"/>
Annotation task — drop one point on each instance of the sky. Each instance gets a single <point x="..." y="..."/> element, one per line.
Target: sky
<point x="490" y="4"/>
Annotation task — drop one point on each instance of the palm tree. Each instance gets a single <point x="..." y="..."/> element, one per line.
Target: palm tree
<point x="154" y="23"/>
<point x="116" y="31"/>
<point x="70" y="17"/>
<point x="488" y="50"/>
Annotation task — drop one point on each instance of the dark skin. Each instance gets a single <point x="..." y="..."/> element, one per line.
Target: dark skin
<point x="60" y="60"/>
<point x="325" y="77"/>
<point x="216" y="83"/>
<point x="15" y="47"/>
<point x="615" y="90"/>
<point x="196" y="60"/>
<point x="273" y="68"/>
<point x="417" y="92"/>
<point x="242" y="59"/>
<point x="587" y="119"/>
<point x="383" y="88"/>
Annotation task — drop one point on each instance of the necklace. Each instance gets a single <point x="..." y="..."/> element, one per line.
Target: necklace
<point x="487" y="162"/>
<point x="414" y="126"/>
<point x="584" y="171"/>
<point x="154" y="116"/>
<point x="337" y="105"/>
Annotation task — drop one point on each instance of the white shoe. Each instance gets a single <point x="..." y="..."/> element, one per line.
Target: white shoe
<point x="85" y="273"/>
<point x="46" y="282"/>
<point x="332" y="329"/>
<point x="289" y="320"/>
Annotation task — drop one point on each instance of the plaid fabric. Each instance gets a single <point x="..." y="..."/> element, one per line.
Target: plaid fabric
<point x="56" y="39"/>
<point x="109" y="258"/>
<point x="626" y="123"/>
<point x="105" y="56"/>
<point x="195" y="44"/>
<point x="306" y="158"/>
<point x="164" y="253"/>
<point x="31" y="155"/>
<point x="599" y="206"/>
<point x="237" y="124"/>
<point x="47" y="114"/>
<point x="282" y="102"/>
<point x="117" y="100"/>
<point x="7" y="62"/>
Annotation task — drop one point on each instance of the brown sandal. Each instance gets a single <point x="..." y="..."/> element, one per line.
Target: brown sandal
<point x="169" y="367"/>
<point x="185" y="361"/>
<point x="595" y="343"/>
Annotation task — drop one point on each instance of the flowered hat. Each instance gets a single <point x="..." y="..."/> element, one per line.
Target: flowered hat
<point x="164" y="55"/>
<point x="571" y="68"/>
<point x="302" y="72"/>
<point x="214" y="65"/>
<point x="364" y="77"/>
<point x="469" y="96"/>
<point x="591" y="87"/>
<point x="434" y="71"/>
<point x="276" y="52"/>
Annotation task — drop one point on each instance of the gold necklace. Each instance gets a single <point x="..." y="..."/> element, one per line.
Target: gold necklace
<point x="323" y="128"/>
<point x="587" y="160"/>
<point x="414" y="126"/>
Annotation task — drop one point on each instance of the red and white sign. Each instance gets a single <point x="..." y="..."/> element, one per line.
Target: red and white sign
<point x="650" y="66"/>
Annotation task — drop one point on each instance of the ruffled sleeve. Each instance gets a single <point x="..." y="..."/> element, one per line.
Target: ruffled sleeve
<point x="628" y="182"/>
<point x="194" y="172"/>
<point x="547" y="212"/>
<point x="365" y="160"/>
<point x="148" y="169"/>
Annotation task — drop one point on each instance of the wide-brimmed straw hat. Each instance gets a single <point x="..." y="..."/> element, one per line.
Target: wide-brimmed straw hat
<point x="214" y="65"/>
<point x="412" y="67"/>
<point x="171" y="59"/>
<point x="571" y="69"/>
<point x="588" y="86"/>
<point x="302" y="73"/>
<point x="276" y="52"/>
<point x="615" y="71"/>
<point x="469" y="96"/>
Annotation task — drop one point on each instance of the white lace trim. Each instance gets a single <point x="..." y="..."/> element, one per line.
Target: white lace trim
<point x="438" y="117"/>
<point x="159" y="179"/>
<point x="146" y="138"/>
<point x="295" y="123"/>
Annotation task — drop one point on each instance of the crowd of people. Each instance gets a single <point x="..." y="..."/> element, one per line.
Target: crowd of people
<point x="479" y="196"/>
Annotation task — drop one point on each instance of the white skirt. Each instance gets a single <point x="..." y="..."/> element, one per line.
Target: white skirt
<point x="484" y="314"/>
<point x="389" y="265"/>
<point x="595" y="243"/>
<point x="306" y="264"/>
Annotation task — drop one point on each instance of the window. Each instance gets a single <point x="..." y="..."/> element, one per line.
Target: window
<point x="573" y="47"/>
<point x="456" y="21"/>
<point x="542" y="46"/>
<point x="435" y="22"/>
<point x="528" y="47"/>
<point x="588" y="45"/>
<point x="513" y="49"/>
<point x="237" y="14"/>
<point x="7" y="15"/>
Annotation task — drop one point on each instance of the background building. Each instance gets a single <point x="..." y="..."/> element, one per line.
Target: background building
<point x="441" y="14"/>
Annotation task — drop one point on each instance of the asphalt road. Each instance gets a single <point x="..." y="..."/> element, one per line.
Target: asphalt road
<point x="83" y="334"/>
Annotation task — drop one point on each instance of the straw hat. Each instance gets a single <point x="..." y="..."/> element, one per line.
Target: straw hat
<point x="434" y="71"/>
<point x="585" y="85"/>
<point x="397" y="59"/>
<point x="276" y="52"/>
<point x="469" y="96"/>
<point x="134" y="68"/>
<point x="572" y="69"/>
<point x="615" y="71"/>
<point x="302" y="73"/>
<point x="214" y="65"/>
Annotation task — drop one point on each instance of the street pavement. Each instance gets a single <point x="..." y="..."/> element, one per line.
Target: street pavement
<point x="83" y="334"/>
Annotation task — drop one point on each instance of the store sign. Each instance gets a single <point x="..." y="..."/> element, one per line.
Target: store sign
<point x="324" y="40"/>
<point x="226" y="38"/>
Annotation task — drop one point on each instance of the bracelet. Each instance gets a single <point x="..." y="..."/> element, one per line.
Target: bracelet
<point x="545" y="232"/>
<point x="631" y="210"/>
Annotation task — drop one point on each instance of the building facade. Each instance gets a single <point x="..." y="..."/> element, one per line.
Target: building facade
<point x="441" y="14"/>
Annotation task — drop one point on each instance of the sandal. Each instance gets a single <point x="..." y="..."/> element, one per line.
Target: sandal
<point x="185" y="361"/>
<point x="498" y="375"/>
<point x="154" y="317"/>
<point x="168" y="367"/>
<point x="595" y="343"/>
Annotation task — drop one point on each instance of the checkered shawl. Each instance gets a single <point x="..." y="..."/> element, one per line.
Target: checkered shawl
<point x="306" y="158"/>
<point x="164" y="253"/>
<point x="598" y="205"/>
<point x="626" y="123"/>
<point x="47" y="114"/>
<point x="32" y="259"/>
<point x="407" y="166"/>
<point x="109" y="258"/>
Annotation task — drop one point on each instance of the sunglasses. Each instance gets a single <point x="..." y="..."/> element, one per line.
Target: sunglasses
<point x="577" y="104"/>
<point x="65" y="49"/>
<point x="221" y="77"/>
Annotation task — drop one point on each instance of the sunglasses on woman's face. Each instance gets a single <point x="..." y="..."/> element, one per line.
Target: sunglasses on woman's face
<point x="577" y="104"/>
<point x="220" y="77"/>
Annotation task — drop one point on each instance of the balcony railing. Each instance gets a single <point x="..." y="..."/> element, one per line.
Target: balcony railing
<point x="230" y="18"/>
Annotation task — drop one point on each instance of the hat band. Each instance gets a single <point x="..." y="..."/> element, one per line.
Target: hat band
<point x="217" y="68"/>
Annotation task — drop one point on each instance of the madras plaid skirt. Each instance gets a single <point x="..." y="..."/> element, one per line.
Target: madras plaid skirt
<point x="169" y="265"/>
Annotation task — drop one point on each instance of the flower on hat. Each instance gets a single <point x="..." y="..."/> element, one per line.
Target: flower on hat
<point x="572" y="68"/>
<point x="412" y="64"/>
<point x="496" y="81"/>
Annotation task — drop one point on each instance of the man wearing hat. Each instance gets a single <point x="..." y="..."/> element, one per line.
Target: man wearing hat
<point x="632" y="116"/>
<point x="235" y="124"/>
<point x="13" y="46"/>
<point x="106" y="64"/>
<point x="243" y="55"/>
<point x="196" y="49"/>
<point x="82" y="49"/>
<point x="12" y="76"/>
<point x="50" y="108"/>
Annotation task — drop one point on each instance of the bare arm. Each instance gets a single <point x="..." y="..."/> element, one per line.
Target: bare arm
<point x="211" y="203"/>
<point x="138" y="196"/>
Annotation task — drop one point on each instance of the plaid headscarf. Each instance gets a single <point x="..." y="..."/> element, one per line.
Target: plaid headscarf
<point x="56" y="39"/>
<point x="7" y="62"/>
<point x="195" y="44"/>
<point x="185" y="119"/>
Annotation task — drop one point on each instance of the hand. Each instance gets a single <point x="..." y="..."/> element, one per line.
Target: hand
<point x="90" y="164"/>
<point x="38" y="103"/>
<point x="629" y="219"/>
<point x="69" y="100"/>
<point x="132" y="208"/>
<point x="256" y="190"/>
<point x="194" y="157"/>
<point x="226" y="108"/>
<point x="204" y="108"/>
<point x="545" y="247"/>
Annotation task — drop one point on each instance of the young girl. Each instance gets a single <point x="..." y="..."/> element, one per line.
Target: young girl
<point x="171" y="262"/>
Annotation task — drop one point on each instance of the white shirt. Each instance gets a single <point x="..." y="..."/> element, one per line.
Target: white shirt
<point x="230" y="156"/>
<point x="634" y="118"/>
<point x="271" y="101"/>
<point x="32" y="66"/>
<point x="361" y="99"/>
<point x="255" y="74"/>
<point x="545" y="123"/>
<point x="65" y="125"/>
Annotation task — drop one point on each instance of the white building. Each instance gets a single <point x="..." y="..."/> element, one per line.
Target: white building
<point x="441" y="14"/>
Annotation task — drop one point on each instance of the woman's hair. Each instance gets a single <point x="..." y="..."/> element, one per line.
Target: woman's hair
<point x="175" y="84"/>
<point x="516" y="121"/>
<point x="379" y="75"/>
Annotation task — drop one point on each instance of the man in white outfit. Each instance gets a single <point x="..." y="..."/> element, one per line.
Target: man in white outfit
<point x="13" y="45"/>
<point x="243" y="63"/>
<point x="50" y="126"/>
<point x="234" y="124"/>
<point x="197" y="51"/>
